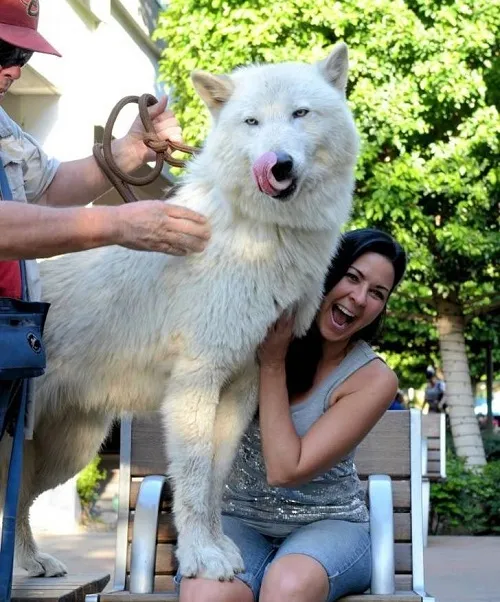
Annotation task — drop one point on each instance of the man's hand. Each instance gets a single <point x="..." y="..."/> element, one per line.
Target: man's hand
<point x="166" y="126"/>
<point x="159" y="226"/>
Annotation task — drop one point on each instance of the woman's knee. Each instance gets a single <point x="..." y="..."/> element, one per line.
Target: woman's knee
<point x="207" y="590"/>
<point x="295" y="578"/>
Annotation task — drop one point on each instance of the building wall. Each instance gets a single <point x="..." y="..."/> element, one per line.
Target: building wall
<point x="103" y="60"/>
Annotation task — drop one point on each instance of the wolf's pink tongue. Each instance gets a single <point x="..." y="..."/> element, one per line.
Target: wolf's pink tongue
<point x="262" y="172"/>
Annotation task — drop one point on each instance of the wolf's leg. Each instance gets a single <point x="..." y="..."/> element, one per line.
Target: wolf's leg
<point x="306" y="310"/>
<point x="62" y="446"/>
<point x="189" y="412"/>
<point x="236" y="408"/>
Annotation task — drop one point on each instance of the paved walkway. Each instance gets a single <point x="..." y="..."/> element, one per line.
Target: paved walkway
<point x="458" y="569"/>
<point x="463" y="569"/>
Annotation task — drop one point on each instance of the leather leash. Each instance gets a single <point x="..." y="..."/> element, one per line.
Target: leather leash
<point x="163" y="149"/>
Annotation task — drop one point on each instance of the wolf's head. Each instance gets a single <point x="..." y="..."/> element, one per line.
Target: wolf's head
<point x="283" y="144"/>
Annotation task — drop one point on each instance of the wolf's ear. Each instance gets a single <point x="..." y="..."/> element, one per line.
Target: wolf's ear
<point x="214" y="90"/>
<point x="336" y="66"/>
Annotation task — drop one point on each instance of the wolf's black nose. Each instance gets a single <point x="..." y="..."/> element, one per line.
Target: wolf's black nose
<point x="283" y="166"/>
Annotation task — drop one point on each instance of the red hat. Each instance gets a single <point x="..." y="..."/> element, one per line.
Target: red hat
<point x="18" y="26"/>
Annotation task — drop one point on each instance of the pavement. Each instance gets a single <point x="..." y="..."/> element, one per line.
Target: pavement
<point x="457" y="569"/>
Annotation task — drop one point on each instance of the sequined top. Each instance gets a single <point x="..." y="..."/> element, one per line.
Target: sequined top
<point x="277" y="511"/>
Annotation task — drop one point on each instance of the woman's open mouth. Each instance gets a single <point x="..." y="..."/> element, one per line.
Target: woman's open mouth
<point x="341" y="316"/>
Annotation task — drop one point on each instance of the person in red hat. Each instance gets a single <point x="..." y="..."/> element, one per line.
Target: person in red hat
<point x="45" y="220"/>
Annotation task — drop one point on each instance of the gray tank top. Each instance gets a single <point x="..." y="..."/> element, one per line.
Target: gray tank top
<point x="336" y="494"/>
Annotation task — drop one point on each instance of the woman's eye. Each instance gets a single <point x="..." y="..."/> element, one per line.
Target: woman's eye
<point x="378" y="295"/>
<point x="251" y="121"/>
<point x="352" y="277"/>
<point x="300" y="113"/>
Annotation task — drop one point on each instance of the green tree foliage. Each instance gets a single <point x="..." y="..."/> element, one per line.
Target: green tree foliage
<point x="87" y="485"/>
<point x="424" y="87"/>
<point x="468" y="501"/>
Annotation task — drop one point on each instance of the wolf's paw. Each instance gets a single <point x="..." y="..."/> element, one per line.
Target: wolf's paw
<point x="233" y="553"/>
<point x="209" y="561"/>
<point x="43" y="565"/>
<point x="303" y="319"/>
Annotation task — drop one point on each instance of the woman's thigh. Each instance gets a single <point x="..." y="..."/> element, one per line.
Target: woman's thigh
<point x="256" y="551"/>
<point x="342" y="548"/>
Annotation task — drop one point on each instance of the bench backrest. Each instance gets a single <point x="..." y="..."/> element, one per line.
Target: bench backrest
<point x="392" y="448"/>
<point x="434" y="432"/>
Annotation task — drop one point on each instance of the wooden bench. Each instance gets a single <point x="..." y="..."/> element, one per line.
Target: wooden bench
<point x="388" y="462"/>
<point x="71" y="588"/>
<point x="433" y="460"/>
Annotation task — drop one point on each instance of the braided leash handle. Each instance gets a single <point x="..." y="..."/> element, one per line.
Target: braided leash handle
<point x="163" y="149"/>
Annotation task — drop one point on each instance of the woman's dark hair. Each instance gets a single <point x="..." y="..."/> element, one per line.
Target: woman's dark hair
<point x="304" y="353"/>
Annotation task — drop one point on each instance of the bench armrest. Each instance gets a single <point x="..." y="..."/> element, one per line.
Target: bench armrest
<point x="143" y="550"/>
<point x="382" y="534"/>
<point x="425" y="455"/>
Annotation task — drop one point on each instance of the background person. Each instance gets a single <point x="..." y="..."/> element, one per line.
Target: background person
<point x="434" y="391"/>
<point x="398" y="402"/>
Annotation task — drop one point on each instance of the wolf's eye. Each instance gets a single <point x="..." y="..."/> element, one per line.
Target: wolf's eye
<point x="251" y="121"/>
<point x="300" y="113"/>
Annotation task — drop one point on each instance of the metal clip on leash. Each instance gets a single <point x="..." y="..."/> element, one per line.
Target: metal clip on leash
<point x="163" y="149"/>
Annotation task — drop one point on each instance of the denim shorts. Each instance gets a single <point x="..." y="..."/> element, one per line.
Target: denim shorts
<point x="341" y="547"/>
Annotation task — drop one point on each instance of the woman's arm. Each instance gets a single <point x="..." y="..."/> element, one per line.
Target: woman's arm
<point x="358" y="404"/>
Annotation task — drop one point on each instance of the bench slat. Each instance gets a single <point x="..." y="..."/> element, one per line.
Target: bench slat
<point x="166" y="563"/>
<point x="397" y="597"/>
<point x="434" y="444"/>
<point x="167" y="533"/>
<point x="385" y="450"/>
<point x="71" y="588"/>
<point x="433" y="467"/>
<point x="431" y="425"/>
<point x="165" y="583"/>
<point x="400" y="494"/>
<point x="165" y="597"/>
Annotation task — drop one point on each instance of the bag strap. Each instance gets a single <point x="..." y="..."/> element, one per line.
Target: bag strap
<point x="5" y="191"/>
<point x="6" y="195"/>
<point x="16" y="457"/>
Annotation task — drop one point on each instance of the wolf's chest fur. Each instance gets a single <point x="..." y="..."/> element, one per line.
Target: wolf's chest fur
<point x="229" y="295"/>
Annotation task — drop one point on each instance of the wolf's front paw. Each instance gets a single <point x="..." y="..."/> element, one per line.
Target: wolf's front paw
<point x="304" y="317"/>
<point x="42" y="565"/>
<point x="209" y="560"/>
<point x="233" y="553"/>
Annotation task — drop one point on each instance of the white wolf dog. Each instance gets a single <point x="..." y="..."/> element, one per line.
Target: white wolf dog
<point x="136" y="331"/>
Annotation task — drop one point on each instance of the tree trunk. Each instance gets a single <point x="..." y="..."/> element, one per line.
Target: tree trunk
<point x="458" y="396"/>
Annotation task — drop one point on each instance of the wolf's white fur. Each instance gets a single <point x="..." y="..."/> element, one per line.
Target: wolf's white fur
<point x="136" y="331"/>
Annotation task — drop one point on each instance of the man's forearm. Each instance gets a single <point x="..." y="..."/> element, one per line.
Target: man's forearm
<point x="78" y="183"/>
<point x="30" y="231"/>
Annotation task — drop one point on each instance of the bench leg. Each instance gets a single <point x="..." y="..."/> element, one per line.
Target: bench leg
<point x="382" y="534"/>
<point x="143" y="549"/>
<point x="426" y="500"/>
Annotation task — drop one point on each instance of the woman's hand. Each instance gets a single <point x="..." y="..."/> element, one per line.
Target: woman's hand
<point x="272" y="352"/>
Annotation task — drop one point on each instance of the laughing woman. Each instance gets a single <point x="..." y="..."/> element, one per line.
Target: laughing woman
<point x="294" y="504"/>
